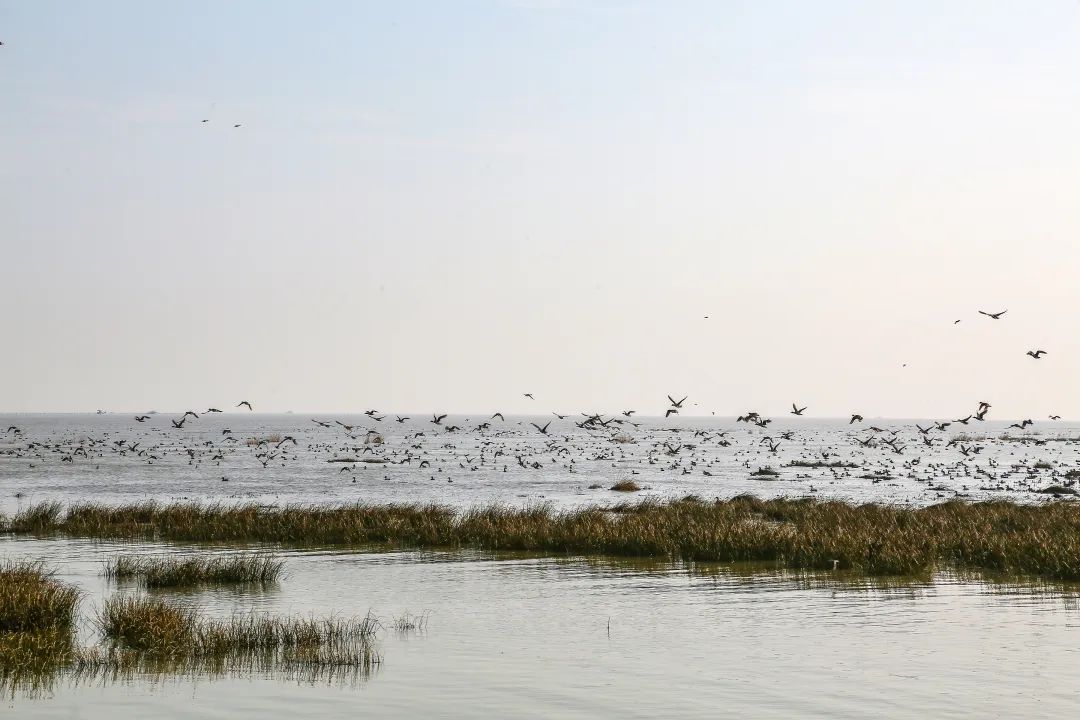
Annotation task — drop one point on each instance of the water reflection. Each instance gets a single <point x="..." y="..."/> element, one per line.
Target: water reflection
<point x="514" y="634"/>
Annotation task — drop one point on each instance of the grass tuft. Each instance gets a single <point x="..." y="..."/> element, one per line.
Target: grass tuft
<point x="625" y="486"/>
<point x="32" y="600"/>
<point x="167" y="571"/>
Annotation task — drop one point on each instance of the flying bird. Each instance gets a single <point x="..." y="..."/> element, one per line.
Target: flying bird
<point x="678" y="404"/>
<point x="855" y="418"/>
<point x="245" y="402"/>
<point x="995" y="316"/>
<point x="1036" y="353"/>
<point x="671" y="411"/>
<point x="541" y="429"/>
<point x="142" y="418"/>
<point x="210" y="410"/>
<point x="498" y="415"/>
<point x="529" y="395"/>
<point x="437" y="419"/>
<point x="797" y="410"/>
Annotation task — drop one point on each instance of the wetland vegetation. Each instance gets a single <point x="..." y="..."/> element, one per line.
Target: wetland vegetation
<point x="999" y="537"/>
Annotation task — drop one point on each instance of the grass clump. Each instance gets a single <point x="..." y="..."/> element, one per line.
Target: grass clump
<point x="32" y="600"/>
<point x="765" y="472"/>
<point x="162" y="572"/>
<point x="166" y="629"/>
<point x="625" y="486"/>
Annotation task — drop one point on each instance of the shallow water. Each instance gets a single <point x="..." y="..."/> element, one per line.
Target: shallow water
<point x="545" y="637"/>
<point x="520" y="636"/>
<point x="669" y="458"/>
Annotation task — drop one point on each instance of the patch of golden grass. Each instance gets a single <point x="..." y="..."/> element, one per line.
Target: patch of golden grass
<point x="171" y="571"/>
<point x="1001" y="537"/>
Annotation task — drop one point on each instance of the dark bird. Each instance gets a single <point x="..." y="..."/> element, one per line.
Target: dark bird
<point x="236" y="125"/>
<point x="955" y="321"/>
<point x="401" y="419"/>
<point x="797" y="410"/>
<point x="529" y="395"/>
<point x="676" y="404"/>
<point x="628" y="413"/>
<point x="210" y="410"/>
<point x="963" y="421"/>
<point x="995" y="316"/>
<point x="855" y="418"/>
<point x="498" y="415"/>
<point x="320" y="423"/>
<point x="192" y="414"/>
<point x="142" y="418"/>
<point x="541" y="429"/>
<point x="671" y="411"/>
<point x="370" y="413"/>
<point x="245" y="402"/>
<point x="437" y="419"/>
<point x="1036" y="353"/>
<point x="1055" y="417"/>
<point x="561" y="417"/>
<point x="179" y="423"/>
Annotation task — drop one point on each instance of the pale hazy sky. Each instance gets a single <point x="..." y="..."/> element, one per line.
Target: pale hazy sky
<point x="443" y="205"/>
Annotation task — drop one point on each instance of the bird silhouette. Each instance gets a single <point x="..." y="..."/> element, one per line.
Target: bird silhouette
<point x="797" y="410"/>
<point x="245" y="402"/>
<point x="678" y="404"/>
<point x="437" y="419"/>
<point x="995" y="316"/>
<point x="142" y="418"/>
<point x="671" y="411"/>
<point x="1036" y="353"/>
<point x="498" y="415"/>
<point x="855" y="418"/>
<point x="541" y="429"/>
<point x="210" y="410"/>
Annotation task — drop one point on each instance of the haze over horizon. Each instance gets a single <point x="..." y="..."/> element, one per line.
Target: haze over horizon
<point x="436" y="207"/>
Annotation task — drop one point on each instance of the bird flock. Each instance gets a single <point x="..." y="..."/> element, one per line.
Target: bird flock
<point x="578" y="453"/>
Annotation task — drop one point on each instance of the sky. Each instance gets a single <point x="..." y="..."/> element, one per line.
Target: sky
<point x="444" y="205"/>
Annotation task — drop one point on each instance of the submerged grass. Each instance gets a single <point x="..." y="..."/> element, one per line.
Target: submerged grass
<point x="168" y="571"/>
<point x="1000" y="537"/>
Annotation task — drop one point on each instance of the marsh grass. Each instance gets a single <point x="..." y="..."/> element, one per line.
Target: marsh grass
<point x="998" y="536"/>
<point x="33" y="601"/>
<point x="410" y="622"/>
<point x="173" y="572"/>
<point x="765" y="472"/>
<point x="625" y="486"/>
<point x="152" y="624"/>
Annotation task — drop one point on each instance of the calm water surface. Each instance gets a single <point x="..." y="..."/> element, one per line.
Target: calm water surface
<point x="546" y="637"/>
<point x="529" y="637"/>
